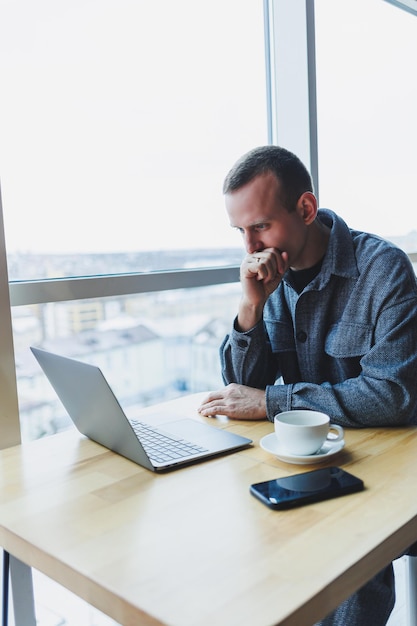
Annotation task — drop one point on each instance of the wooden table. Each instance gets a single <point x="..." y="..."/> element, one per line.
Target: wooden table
<point x="193" y="547"/>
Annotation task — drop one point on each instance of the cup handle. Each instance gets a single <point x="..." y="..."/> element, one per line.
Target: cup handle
<point x="332" y="436"/>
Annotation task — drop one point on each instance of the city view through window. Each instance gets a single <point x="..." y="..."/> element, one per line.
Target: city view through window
<point x="151" y="347"/>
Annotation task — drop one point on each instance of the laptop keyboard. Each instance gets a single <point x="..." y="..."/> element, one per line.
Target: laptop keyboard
<point x="161" y="447"/>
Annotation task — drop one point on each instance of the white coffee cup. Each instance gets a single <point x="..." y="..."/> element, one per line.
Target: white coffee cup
<point x="303" y="432"/>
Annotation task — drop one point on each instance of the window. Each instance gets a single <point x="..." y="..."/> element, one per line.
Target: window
<point x="119" y="121"/>
<point x="367" y="127"/>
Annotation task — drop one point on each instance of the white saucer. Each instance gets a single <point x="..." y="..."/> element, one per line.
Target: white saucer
<point x="328" y="449"/>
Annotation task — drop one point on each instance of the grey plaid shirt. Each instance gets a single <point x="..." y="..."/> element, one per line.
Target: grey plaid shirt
<point x="347" y="345"/>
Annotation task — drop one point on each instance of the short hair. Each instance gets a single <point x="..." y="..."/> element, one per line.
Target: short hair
<point x="294" y="177"/>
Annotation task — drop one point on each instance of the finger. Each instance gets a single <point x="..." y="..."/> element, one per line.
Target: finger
<point x="256" y="267"/>
<point x="209" y="410"/>
<point x="249" y="269"/>
<point x="267" y="270"/>
<point x="209" y="404"/>
<point x="259" y="266"/>
<point x="266" y="265"/>
<point x="214" y="395"/>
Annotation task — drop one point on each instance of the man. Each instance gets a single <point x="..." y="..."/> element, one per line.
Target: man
<point x="327" y="321"/>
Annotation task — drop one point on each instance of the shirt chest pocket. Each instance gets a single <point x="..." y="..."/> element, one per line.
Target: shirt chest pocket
<point x="281" y="335"/>
<point x="348" y="340"/>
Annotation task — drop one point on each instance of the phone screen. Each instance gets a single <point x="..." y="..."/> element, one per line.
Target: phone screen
<point x="298" y="489"/>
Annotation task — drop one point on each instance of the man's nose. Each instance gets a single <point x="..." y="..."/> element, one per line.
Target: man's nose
<point x="252" y="243"/>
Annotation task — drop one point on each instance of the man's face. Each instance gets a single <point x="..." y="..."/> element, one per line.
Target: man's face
<point x="256" y="211"/>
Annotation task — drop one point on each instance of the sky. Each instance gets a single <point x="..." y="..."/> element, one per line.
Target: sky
<point x="119" y="121"/>
<point x="367" y="118"/>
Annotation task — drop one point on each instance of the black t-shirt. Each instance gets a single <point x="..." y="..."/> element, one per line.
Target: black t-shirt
<point x="299" y="279"/>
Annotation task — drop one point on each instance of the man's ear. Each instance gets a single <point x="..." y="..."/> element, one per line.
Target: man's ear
<point x="307" y="207"/>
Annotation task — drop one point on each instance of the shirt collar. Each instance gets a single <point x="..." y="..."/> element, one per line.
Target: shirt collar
<point x="340" y="254"/>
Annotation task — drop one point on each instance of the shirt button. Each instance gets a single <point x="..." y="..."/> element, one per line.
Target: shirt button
<point x="242" y="343"/>
<point x="302" y="336"/>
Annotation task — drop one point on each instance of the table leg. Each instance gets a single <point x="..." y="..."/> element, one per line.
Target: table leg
<point x="22" y="592"/>
<point x="5" y="589"/>
<point x="411" y="579"/>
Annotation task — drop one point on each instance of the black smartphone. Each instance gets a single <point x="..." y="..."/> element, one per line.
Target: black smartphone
<point x="313" y="486"/>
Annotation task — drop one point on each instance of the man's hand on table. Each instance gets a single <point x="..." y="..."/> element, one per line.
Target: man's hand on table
<point x="235" y="401"/>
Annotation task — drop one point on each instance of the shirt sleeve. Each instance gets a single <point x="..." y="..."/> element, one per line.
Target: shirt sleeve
<point x="246" y="357"/>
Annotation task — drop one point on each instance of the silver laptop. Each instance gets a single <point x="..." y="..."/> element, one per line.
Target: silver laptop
<point x="96" y="412"/>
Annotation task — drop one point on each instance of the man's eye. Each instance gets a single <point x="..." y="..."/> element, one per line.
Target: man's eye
<point x="260" y="226"/>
